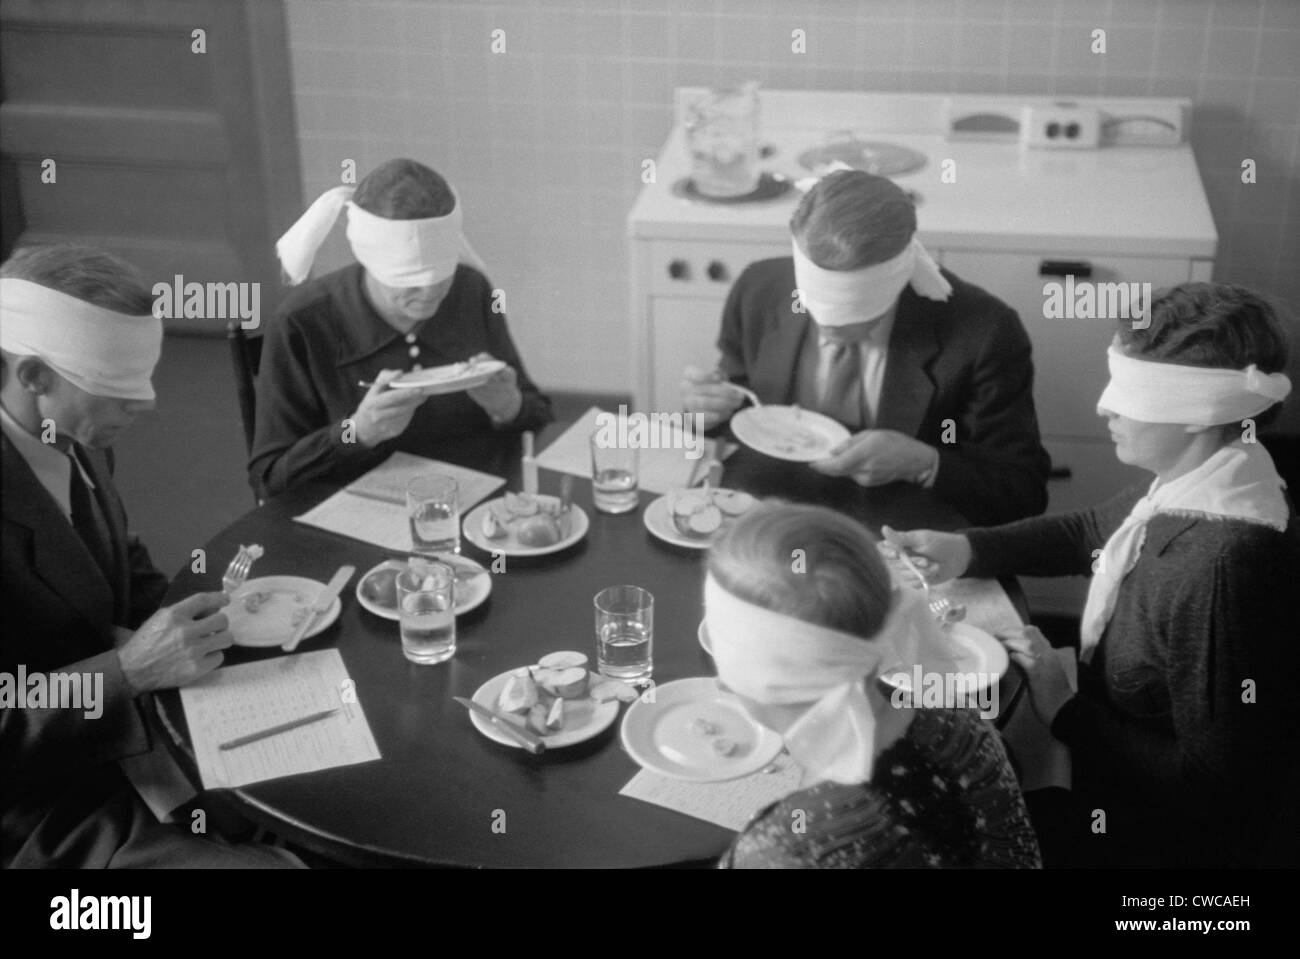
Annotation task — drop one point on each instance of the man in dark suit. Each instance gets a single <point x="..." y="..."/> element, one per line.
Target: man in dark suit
<point x="80" y="596"/>
<point x="931" y="375"/>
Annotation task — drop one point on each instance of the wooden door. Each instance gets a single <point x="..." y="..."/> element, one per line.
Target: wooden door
<point x="183" y="161"/>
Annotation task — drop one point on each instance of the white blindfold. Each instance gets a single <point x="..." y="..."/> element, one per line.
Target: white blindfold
<point x="97" y="350"/>
<point x="1192" y="395"/>
<point x="401" y="253"/>
<point x="844" y="297"/>
<point x="778" y="660"/>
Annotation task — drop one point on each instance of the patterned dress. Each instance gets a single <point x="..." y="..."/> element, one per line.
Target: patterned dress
<point x="942" y="796"/>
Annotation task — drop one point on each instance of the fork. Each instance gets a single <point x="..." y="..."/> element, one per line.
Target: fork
<point x="237" y="572"/>
<point x="943" y="609"/>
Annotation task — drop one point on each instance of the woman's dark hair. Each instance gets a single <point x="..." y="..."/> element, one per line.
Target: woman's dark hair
<point x="86" y="272"/>
<point x="807" y="562"/>
<point x="404" y="190"/>
<point x="1212" y="325"/>
<point x="852" y="219"/>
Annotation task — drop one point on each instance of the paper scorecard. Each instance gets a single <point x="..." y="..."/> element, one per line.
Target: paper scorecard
<point x="731" y="804"/>
<point x="679" y="459"/>
<point x="373" y="508"/>
<point x="239" y="700"/>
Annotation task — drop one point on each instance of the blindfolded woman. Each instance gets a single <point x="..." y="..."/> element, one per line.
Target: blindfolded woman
<point x="1186" y="711"/>
<point x="802" y="642"/>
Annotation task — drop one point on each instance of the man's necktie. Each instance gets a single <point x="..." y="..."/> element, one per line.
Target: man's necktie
<point x="841" y="397"/>
<point x="88" y="520"/>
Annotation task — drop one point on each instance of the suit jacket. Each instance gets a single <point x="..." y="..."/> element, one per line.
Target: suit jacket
<point x="966" y="360"/>
<point x="58" y="769"/>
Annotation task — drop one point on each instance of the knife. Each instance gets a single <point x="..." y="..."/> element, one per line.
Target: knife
<point x="523" y="737"/>
<point x="322" y="603"/>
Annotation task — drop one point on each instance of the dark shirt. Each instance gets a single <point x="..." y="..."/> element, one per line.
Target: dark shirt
<point x="1189" y="768"/>
<point x="327" y="338"/>
<point x="941" y="796"/>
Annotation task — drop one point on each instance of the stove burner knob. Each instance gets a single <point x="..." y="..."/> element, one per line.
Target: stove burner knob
<point x="717" y="270"/>
<point x="679" y="269"/>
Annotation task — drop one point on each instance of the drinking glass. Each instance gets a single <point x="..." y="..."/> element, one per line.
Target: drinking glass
<point x="613" y="476"/>
<point x="426" y="603"/>
<point x="625" y="629"/>
<point x="432" y="507"/>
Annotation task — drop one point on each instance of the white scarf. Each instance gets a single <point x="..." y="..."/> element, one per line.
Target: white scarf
<point x="843" y="297"/>
<point x="97" y="350"/>
<point x="1237" y="482"/>
<point x="402" y="253"/>
<point x="779" y="660"/>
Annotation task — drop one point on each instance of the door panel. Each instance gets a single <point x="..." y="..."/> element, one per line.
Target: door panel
<point x="181" y="162"/>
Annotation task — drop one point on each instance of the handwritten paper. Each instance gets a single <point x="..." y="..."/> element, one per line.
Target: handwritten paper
<point x="239" y="700"/>
<point x="731" y="804"/>
<point x="373" y="508"/>
<point x="660" y="470"/>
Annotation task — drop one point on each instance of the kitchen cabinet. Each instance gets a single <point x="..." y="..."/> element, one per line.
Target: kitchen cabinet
<point x="678" y="294"/>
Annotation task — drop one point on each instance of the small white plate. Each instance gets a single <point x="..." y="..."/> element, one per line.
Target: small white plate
<point x="273" y="623"/>
<point x="662" y="735"/>
<point x="658" y="519"/>
<point x="788" y="432"/>
<point x="972" y="650"/>
<point x="584" y="718"/>
<point x="452" y="378"/>
<point x="470" y="594"/>
<point x="509" y="545"/>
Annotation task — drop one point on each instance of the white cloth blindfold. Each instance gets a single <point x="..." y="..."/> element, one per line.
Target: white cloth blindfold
<point x="1193" y="395"/>
<point x="1238" y="482"/>
<point x="401" y="253"/>
<point x="97" y="350"/>
<point x="778" y="660"/>
<point x="843" y="297"/>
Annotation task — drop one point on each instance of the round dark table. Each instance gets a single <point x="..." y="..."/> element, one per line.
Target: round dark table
<point x="434" y="796"/>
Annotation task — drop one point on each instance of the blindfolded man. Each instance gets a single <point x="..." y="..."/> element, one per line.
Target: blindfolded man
<point x="931" y="374"/>
<point x="78" y="345"/>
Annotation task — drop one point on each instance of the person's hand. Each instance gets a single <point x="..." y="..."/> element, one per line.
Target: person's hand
<point x="940" y="556"/>
<point x="706" y="395"/>
<point x="385" y="413"/>
<point x="1049" y="686"/>
<point x="877" y="457"/>
<point x="177" y="644"/>
<point x="500" y="396"/>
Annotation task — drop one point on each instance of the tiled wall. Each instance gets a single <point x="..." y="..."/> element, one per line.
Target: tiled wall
<point x="544" y="143"/>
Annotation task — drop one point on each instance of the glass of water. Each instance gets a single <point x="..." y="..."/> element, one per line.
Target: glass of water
<point x="613" y="476"/>
<point x="426" y="603"/>
<point x="432" y="507"/>
<point x="625" y="629"/>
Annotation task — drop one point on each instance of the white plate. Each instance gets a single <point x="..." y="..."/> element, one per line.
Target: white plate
<point x="509" y="545"/>
<point x="272" y="624"/>
<point x="583" y="718"/>
<point x="452" y="378"/>
<point x="972" y="651"/>
<point x="661" y="736"/>
<point x="658" y="520"/>
<point x="788" y="432"/>
<point x="470" y="594"/>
